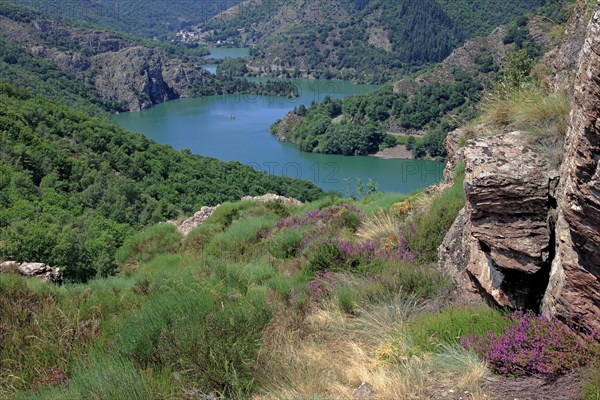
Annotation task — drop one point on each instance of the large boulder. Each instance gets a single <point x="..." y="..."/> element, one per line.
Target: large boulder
<point x="40" y="270"/>
<point x="501" y="243"/>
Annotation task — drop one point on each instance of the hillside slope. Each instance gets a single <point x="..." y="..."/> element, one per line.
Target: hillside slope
<point x="149" y="19"/>
<point x="372" y="40"/>
<point x="73" y="186"/>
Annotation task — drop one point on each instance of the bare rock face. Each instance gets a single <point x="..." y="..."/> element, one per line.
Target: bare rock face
<point x="187" y="225"/>
<point x="574" y="289"/>
<point x="269" y="197"/>
<point x="502" y="241"/>
<point x="132" y="76"/>
<point x="40" y="270"/>
<point x="529" y="237"/>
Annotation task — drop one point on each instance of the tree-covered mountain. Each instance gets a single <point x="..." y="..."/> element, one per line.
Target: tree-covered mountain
<point x="73" y="186"/>
<point x="95" y="68"/>
<point x="145" y="18"/>
<point x="366" y="40"/>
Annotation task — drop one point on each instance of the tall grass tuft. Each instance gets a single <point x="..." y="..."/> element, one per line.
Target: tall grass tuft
<point x="147" y="244"/>
<point x="425" y="231"/>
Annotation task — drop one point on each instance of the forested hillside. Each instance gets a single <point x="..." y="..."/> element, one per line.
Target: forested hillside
<point x="72" y="186"/>
<point x="419" y="110"/>
<point x="373" y="40"/>
<point x="148" y="18"/>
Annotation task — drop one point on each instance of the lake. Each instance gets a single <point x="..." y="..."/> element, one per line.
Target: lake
<point x="235" y="127"/>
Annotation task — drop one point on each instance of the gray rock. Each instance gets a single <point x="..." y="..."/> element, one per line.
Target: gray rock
<point x="364" y="391"/>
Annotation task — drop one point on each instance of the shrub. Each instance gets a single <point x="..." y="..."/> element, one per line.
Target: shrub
<point x="113" y="378"/>
<point x="426" y="230"/>
<point x="198" y="238"/>
<point x="147" y="244"/>
<point x="590" y="385"/>
<point x="209" y="335"/>
<point x="533" y="344"/>
<point x="286" y="244"/>
<point x="240" y="238"/>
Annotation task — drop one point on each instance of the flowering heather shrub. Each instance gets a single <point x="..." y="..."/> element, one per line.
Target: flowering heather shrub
<point x="343" y="216"/>
<point x="533" y="344"/>
<point x="53" y="376"/>
<point x="321" y="285"/>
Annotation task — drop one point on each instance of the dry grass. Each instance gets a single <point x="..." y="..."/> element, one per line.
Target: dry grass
<point x="326" y="355"/>
<point x="528" y="109"/>
<point x="380" y="226"/>
<point x="542" y="116"/>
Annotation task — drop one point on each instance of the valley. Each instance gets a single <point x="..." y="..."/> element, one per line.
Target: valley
<point x="199" y="200"/>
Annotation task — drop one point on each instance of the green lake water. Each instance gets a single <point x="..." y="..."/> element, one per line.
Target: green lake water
<point x="235" y="127"/>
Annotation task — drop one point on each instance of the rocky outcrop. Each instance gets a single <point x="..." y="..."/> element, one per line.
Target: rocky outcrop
<point x="503" y="239"/>
<point x="187" y="225"/>
<point x="529" y="236"/>
<point x="130" y="75"/>
<point x="40" y="270"/>
<point x="269" y="197"/>
<point x="562" y="60"/>
<point x="574" y="289"/>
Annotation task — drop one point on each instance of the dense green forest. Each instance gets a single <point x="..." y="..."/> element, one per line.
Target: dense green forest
<point x="148" y="18"/>
<point x="342" y="45"/>
<point x="357" y="125"/>
<point x="72" y="186"/>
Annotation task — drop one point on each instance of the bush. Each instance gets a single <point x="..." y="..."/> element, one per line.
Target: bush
<point x="533" y="344"/>
<point x="427" y="230"/>
<point x="198" y="238"/>
<point x="241" y="237"/>
<point x="345" y="299"/>
<point x="286" y="244"/>
<point x="211" y="338"/>
<point x="147" y="244"/>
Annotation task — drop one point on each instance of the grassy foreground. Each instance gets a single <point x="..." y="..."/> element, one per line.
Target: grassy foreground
<point x="262" y="301"/>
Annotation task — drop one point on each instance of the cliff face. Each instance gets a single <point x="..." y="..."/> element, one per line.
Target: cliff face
<point x="133" y="76"/>
<point x="529" y="236"/>
<point x="574" y="290"/>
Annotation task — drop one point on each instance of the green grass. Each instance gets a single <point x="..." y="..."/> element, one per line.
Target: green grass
<point x="147" y="244"/>
<point x="429" y="228"/>
<point x="427" y="332"/>
<point x="192" y="315"/>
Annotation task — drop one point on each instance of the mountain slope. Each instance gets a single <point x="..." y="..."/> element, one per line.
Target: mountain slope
<point x="73" y="186"/>
<point x="150" y="18"/>
<point x="372" y="40"/>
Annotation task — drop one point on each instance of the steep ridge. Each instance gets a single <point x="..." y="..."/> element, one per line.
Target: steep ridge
<point x="365" y="40"/>
<point x="123" y="71"/>
<point x="528" y="236"/>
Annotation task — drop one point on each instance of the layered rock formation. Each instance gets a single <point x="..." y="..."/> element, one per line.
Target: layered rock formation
<point x="529" y="236"/>
<point x="574" y="290"/>
<point x="504" y="236"/>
